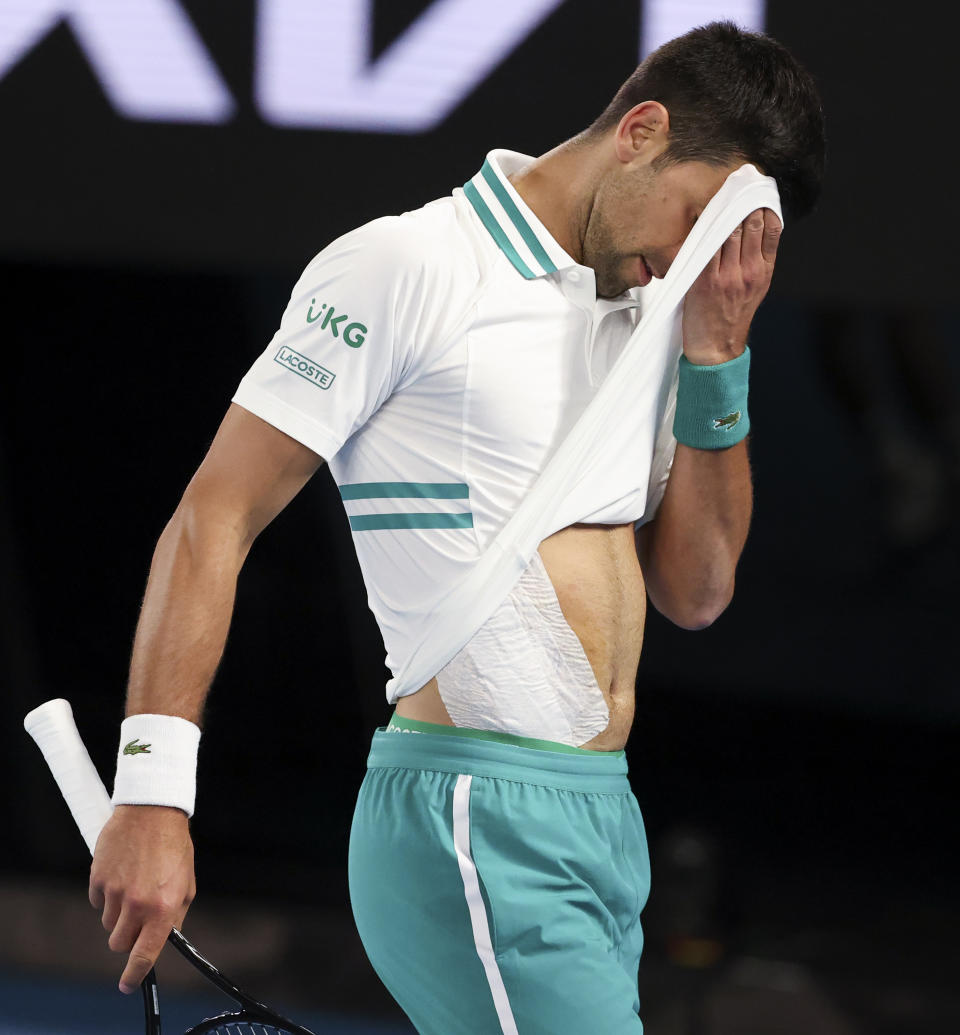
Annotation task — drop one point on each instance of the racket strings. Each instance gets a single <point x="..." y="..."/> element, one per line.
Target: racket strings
<point x="248" y="1028"/>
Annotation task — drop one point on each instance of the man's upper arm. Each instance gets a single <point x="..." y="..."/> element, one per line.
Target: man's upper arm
<point x="250" y="473"/>
<point x="334" y="360"/>
<point x="349" y="333"/>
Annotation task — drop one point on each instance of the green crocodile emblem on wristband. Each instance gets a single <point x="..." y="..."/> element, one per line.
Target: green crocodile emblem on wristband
<point x="133" y="748"/>
<point x="728" y="422"/>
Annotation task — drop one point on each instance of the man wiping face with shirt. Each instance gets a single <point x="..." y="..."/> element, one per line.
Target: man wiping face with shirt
<point x="444" y="362"/>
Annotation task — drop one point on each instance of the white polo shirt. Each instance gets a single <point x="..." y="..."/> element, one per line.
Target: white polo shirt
<point x="436" y="360"/>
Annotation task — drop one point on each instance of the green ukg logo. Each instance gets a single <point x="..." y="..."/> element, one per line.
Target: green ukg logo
<point x="306" y="368"/>
<point x="133" y="748"/>
<point x="354" y="334"/>
<point x="726" y="423"/>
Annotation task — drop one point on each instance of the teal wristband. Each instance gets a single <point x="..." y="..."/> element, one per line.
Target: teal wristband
<point x="712" y="403"/>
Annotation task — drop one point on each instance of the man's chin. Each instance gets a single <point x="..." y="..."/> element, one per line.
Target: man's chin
<point x="609" y="284"/>
<point x="611" y="290"/>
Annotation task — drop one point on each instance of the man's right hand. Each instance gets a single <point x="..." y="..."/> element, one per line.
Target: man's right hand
<point x="142" y="878"/>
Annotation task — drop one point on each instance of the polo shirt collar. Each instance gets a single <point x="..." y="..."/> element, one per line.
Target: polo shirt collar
<point x="521" y="236"/>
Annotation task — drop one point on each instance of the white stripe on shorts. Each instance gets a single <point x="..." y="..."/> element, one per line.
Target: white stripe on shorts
<point x="478" y="913"/>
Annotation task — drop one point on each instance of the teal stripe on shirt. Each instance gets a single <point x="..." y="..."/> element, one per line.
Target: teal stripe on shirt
<point x="405" y="490"/>
<point x="369" y="522"/>
<point x="496" y="231"/>
<point x="510" y="207"/>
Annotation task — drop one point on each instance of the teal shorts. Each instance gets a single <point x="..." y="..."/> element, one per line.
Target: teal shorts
<point x="496" y="886"/>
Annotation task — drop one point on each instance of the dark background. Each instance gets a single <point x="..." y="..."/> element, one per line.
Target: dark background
<point x="793" y="761"/>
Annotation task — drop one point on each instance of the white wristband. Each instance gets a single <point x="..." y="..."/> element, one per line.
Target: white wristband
<point x="157" y="762"/>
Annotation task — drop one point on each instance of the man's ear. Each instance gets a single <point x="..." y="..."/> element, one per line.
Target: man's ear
<point x="642" y="132"/>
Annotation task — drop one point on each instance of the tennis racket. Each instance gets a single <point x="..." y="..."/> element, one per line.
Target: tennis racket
<point x="52" y="727"/>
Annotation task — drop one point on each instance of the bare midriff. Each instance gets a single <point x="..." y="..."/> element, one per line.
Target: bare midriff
<point x="597" y="577"/>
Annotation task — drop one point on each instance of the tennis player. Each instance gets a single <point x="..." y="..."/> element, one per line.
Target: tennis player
<point x="435" y="360"/>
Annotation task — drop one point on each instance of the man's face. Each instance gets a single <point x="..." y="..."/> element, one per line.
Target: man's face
<point x="641" y="217"/>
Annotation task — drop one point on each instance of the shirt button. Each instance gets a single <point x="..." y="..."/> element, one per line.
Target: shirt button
<point x="573" y="276"/>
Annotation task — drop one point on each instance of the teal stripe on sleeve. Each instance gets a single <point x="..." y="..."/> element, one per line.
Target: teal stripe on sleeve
<point x="496" y="231"/>
<point x="405" y="490"/>
<point x="510" y="207"/>
<point x="370" y="522"/>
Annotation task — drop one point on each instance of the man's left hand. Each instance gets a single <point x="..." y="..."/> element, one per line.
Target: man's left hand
<point x="721" y="303"/>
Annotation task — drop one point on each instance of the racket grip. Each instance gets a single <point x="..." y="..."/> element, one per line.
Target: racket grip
<point x="52" y="726"/>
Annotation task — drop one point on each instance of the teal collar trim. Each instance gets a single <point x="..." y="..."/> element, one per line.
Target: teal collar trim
<point x="508" y="220"/>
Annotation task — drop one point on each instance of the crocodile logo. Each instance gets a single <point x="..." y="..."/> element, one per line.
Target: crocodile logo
<point x="133" y="748"/>
<point x="726" y="423"/>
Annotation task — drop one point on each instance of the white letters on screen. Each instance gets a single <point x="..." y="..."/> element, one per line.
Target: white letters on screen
<point x="147" y="55"/>
<point x="662" y="20"/>
<point x="313" y="65"/>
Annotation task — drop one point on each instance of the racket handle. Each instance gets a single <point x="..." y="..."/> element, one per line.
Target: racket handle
<point x="51" y="725"/>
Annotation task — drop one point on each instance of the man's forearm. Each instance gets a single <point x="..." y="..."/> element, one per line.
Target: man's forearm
<point x="185" y="616"/>
<point x="690" y="551"/>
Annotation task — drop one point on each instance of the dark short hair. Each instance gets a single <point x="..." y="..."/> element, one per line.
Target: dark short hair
<point x="730" y="94"/>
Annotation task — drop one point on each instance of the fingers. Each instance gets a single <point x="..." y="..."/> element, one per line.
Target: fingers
<point x="751" y="245"/>
<point x="772" y="229"/>
<point x="752" y="236"/>
<point x="730" y="251"/>
<point x="143" y="954"/>
<point x="111" y="912"/>
<point x="140" y="929"/>
<point x="126" y="930"/>
<point x="754" y="241"/>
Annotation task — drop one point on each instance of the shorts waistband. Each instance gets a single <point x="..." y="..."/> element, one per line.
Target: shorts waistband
<point x="597" y="772"/>
<point x="402" y="722"/>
